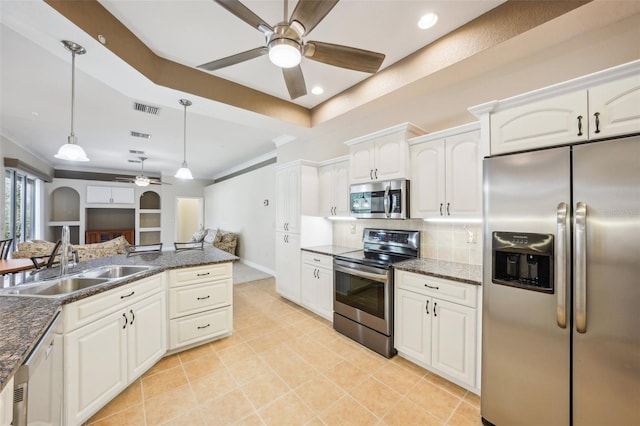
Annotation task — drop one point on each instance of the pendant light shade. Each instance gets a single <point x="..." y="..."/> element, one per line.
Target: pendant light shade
<point x="184" y="172"/>
<point x="71" y="151"/>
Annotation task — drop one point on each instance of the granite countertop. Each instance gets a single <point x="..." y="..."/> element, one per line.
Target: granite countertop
<point x="470" y="274"/>
<point x="329" y="250"/>
<point x="26" y="318"/>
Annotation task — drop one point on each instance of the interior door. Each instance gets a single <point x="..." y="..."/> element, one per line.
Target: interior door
<point x="606" y="357"/>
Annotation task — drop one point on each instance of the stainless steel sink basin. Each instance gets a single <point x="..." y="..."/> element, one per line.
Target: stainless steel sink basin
<point x="115" y="271"/>
<point x="56" y="288"/>
<point x="79" y="281"/>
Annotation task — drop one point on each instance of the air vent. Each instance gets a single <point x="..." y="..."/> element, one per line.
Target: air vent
<point x="140" y="135"/>
<point x="148" y="109"/>
<point x="136" y="152"/>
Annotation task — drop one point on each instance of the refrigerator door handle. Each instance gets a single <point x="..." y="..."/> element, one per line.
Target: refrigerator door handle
<point x="561" y="265"/>
<point x="580" y="267"/>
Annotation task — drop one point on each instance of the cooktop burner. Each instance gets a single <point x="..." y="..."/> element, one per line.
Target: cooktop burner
<point x="384" y="247"/>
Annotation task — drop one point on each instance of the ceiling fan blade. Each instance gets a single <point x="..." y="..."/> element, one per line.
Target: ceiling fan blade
<point x="310" y="12"/>
<point x="294" y="79"/>
<point x="344" y="56"/>
<point x="234" y="59"/>
<point x="244" y="13"/>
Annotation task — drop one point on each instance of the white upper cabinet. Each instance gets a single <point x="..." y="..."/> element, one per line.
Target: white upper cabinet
<point x="110" y="195"/>
<point x="446" y="173"/>
<point x="334" y="188"/>
<point x="549" y="122"/>
<point x="382" y="155"/>
<point x="296" y="195"/>
<point x="598" y="106"/>
<point x="614" y="108"/>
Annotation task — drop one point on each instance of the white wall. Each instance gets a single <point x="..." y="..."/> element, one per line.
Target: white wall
<point x="169" y="195"/>
<point x="237" y="205"/>
<point x="189" y="217"/>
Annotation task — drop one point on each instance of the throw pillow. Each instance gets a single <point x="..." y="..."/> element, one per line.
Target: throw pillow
<point x="218" y="237"/>
<point x="199" y="235"/>
<point x="211" y="236"/>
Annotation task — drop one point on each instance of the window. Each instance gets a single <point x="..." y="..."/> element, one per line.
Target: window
<point x="20" y="205"/>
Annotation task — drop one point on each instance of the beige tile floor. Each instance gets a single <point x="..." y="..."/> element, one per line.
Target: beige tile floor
<point x="286" y="366"/>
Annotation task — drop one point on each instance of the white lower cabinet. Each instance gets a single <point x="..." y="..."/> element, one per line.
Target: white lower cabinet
<point x="200" y="304"/>
<point x="317" y="284"/>
<point x="288" y="265"/>
<point x="6" y="404"/>
<point x="111" y="344"/>
<point x="435" y="325"/>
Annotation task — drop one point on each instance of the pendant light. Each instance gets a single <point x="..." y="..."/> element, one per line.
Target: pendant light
<point x="184" y="172"/>
<point x="71" y="150"/>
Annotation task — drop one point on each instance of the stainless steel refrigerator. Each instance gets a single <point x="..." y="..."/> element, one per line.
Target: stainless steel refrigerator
<point x="561" y="286"/>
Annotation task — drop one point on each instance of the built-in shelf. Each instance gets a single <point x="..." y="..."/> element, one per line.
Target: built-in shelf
<point x="149" y="218"/>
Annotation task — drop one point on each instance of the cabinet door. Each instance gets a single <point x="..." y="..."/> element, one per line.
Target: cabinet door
<point x="99" y="194"/>
<point x="454" y="341"/>
<point x="362" y="162"/>
<point x="324" y="293"/>
<point x="146" y="333"/>
<point x="540" y="124"/>
<point x="308" y="291"/>
<point x="95" y="366"/>
<point x="616" y="106"/>
<point x="326" y="179"/>
<point x="427" y="179"/>
<point x="413" y="325"/>
<point x="122" y="195"/>
<point x="6" y="404"/>
<point x="288" y="266"/>
<point x="287" y="199"/>
<point x="390" y="159"/>
<point x="341" y="189"/>
<point x="463" y="175"/>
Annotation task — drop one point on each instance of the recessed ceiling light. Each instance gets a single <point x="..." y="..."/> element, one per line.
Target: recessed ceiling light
<point x="427" y="21"/>
<point x="36" y="113"/>
<point x="317" y="90"/>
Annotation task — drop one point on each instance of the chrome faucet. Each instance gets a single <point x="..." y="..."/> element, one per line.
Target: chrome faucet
<point x="65" y="248"/>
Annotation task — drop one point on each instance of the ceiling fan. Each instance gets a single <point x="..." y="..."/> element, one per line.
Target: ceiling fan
<point x="141" y="179"/>
<point x="285" y="46"/>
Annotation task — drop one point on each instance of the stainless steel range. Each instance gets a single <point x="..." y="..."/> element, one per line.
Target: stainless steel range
<point x="363" y="287"/>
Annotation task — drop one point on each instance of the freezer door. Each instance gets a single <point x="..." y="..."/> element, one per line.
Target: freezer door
<point x="525" y="353"/>
<point x="606" y="339"/>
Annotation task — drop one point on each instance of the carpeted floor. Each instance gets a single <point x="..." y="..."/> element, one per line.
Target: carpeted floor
<point x="243" y="273"/>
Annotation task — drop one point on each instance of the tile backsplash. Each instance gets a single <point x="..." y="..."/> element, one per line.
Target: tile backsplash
<point x="454" y="242"/>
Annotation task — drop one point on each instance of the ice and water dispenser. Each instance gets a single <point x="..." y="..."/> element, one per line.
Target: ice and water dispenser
<point x="523" y="260"/>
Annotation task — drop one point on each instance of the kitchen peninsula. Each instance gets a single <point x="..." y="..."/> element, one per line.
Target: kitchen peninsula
<point x="25" y="318"/>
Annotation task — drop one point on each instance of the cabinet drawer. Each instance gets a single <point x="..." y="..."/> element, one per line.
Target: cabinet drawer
<point x="199" y="274"/>
<point x="91" y="308"/>
<point x="198" y="327"/>
<point x="453" y="291"/>
<point x="195" y="298"/>
<point x="319" y="260"/>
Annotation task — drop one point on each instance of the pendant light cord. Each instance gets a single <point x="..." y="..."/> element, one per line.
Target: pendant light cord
<point x="184" y="156"/>
<point x="73" y="92"/>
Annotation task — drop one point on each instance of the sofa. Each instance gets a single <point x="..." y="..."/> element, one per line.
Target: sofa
<point x="223" y="240"/>
<point x="36" y="248"/>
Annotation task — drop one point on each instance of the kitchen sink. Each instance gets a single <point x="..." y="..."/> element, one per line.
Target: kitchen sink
<point x="79" y="281"/>
<point x="56" y="288"/>
<point x="115" y="271"/>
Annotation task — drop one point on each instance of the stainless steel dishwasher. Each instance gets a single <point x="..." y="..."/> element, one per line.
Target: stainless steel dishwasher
<point x="37" y="391"/>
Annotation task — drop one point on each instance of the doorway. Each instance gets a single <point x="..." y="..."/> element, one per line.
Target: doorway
<point x="189" y="217"/>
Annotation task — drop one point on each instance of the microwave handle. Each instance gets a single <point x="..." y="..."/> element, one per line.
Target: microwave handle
<point x="387" y="201"/>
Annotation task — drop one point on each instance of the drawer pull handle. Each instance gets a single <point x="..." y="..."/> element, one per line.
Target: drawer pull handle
<point x="579" y="125"/>
<point x="316" y="260"/>
<point x="204" y="326"/>
<point x="133" y="316"/>
<point x="203" y="298"/>
<point x="203" y="275"/>
<point x="597" y="116"/>
<point x="125" y="321"/>
<point x="432" y="287"/>
<point x="435" y="304"/>
<point x="427" y="308"/>
<point x="128" y="295"/>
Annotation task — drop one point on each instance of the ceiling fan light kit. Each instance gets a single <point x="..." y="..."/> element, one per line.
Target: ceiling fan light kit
<point x="71" y="151"/>
<point x="184" y="172"/>
<point x="285" y="46"/>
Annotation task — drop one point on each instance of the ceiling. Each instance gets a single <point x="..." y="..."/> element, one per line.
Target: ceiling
<point x="36" y="78"/>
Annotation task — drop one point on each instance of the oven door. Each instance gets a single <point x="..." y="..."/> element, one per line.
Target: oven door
<point x="363" y="294"/>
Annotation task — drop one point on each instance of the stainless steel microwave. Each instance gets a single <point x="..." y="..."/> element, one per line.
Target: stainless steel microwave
<point x="387" y="199"/>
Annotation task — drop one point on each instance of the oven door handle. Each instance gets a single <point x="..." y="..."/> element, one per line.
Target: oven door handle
<point x="363" y="274"/>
